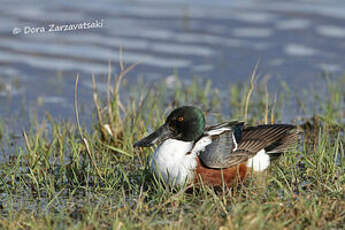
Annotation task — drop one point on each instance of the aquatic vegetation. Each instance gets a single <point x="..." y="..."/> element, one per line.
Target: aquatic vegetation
<point x="69" y="176"/>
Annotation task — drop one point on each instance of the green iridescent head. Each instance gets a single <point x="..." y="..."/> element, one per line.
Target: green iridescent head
<point x="186" y="123"/>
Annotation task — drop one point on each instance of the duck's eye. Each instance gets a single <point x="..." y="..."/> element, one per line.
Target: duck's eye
<point x="180" y="119"/>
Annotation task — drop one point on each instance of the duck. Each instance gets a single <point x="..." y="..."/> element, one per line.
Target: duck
<point x="189" y="152"/>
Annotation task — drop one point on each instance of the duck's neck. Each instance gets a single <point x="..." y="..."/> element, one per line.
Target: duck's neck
<point x="173" y="163"/>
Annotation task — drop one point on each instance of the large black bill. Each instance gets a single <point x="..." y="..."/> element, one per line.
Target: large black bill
<point x="162" y="133"/>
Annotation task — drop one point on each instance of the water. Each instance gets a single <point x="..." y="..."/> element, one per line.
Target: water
<point x="293" y="41"/>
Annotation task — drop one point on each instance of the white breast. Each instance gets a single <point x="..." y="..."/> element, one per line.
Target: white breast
<point x="171" y="162"/>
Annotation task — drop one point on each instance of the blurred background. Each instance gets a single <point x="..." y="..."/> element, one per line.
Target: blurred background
<point x="293" y="41"/>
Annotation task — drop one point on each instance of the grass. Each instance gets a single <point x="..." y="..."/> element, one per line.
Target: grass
<point x="67" y="176"/>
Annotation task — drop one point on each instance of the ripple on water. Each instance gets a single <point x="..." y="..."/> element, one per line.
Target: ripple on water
<point x="329" y="67"/>
<point x="299" y="50"/>
<point x="293" y="24"/>
<point x="255" y="17"/>
<point x="51" y="100"/>
<point x="9" y="25"/>
<point x="202" y="68"/>
<point x="331" y="31"/>
<point x="182" y="49"/>
<point x="11" y="72"/>
<point x="83" y="51"/>
<point x="52" y="63"/>
<point x="252" y="32"/>
<point x="115" y="42"/>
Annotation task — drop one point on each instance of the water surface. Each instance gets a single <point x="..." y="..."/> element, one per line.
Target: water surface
<point x="294" y="41"/>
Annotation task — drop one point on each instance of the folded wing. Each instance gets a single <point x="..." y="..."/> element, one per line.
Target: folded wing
<point x="223" y="139"/>
<point x="238" y="144"/>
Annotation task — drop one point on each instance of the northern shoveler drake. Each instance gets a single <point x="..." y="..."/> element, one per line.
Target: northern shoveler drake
<point x="189" y="152"/>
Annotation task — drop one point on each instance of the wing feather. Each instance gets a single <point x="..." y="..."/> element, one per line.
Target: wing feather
<point x="220" y="153"/>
